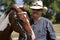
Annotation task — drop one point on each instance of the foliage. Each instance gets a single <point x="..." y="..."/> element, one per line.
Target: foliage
<point x="58" y="18"/>
<point x="53" y="4"/>
<point x="29" y="2"/>
<point x="47" y="2"/>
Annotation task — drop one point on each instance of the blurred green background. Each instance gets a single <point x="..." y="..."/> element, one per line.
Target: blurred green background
<point x="53" y="6"/>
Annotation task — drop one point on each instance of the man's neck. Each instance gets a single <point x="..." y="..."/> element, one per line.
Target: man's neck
<point x="36" y="19"/>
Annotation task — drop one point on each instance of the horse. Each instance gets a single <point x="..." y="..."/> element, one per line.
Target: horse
<point x="10" y="24"/>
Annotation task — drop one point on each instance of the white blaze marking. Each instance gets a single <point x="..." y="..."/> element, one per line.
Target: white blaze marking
<point x="3" y="25"/>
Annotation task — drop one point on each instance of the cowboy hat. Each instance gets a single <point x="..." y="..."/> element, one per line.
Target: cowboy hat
<point x="39" y="5"/>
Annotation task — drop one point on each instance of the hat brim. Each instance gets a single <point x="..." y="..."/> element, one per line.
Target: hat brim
<point x="38" y="7"/>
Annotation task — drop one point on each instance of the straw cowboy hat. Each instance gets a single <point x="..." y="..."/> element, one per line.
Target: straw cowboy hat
<point x="39" y="5"/>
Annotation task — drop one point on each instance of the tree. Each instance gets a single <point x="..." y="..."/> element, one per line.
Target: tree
<point x="29" y="2"/>
<point x="47" y="2"/>
<point x="56" y="5"/>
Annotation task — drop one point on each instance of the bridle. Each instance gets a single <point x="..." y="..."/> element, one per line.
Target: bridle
<point x="20" y="23"/>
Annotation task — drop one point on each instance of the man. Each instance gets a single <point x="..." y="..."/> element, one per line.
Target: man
<point x="42" y="27"/>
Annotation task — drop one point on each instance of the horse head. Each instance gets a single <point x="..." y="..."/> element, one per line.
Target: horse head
<point x="19" y="20"/>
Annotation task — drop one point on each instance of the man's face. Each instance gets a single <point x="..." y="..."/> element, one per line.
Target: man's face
<point x="36" y="12"/>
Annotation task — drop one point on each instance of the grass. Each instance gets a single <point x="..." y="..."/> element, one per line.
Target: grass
<point x="56" y="28"/>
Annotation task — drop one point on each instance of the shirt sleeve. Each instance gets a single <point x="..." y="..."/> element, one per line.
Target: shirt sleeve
<point x="51" y="30"/>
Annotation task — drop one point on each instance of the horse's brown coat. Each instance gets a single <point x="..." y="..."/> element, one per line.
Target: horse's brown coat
<point x="5" y="35"/>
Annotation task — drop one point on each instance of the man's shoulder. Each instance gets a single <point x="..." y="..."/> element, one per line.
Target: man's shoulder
<point x="45" y="19"/>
